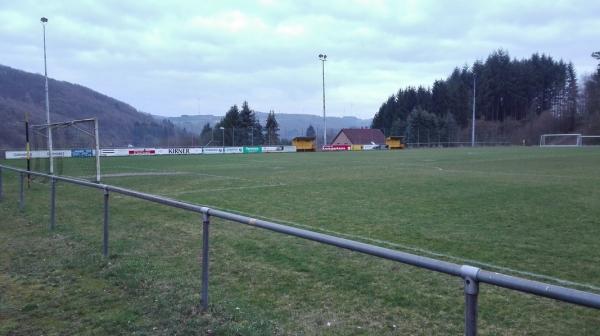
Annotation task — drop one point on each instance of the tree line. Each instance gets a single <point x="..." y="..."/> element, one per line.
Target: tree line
<point x="240" y="127"/>
<point x="515" y="100"/>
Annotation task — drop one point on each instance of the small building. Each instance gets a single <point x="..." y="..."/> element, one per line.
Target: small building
<point x="359" y="136"/>
<point x="395" y="142"/>
<point x="304" y="144"/>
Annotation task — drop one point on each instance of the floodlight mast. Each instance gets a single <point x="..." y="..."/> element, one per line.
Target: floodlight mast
<point x="50" y="149"/>
<point x="323" y="58"/>
<point x="223" y="142"/>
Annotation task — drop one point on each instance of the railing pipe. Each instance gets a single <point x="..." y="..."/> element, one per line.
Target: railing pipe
<point x="1" y="185"/>
<point x="471" y="289"/>
<point x="205" y="260"/>
<point x="105" y="225"/>
<point x="21" y="191"/>
<point x="52" y="203"/>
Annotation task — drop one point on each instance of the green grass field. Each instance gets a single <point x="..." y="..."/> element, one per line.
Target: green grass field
<point x="529" y="212"/>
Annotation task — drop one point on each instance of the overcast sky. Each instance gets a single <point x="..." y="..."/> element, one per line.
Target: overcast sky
<point x="190" y="57"/>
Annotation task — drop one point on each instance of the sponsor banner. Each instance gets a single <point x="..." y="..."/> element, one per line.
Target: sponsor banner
<point x="370" y="147"/>
<point x="253" y="150"/>
<point x="234" y="150"/>
<point x="270" y="149"/>
<point x="82" y="153"/>
<point x="114" y="152"/>
<point x="357" y="147"/>
<point x="141" y="151"/>
<point x="212" y="150"/>
<point x="36" y="154"/>
<point x="337" y="147"/>
<point x="178" y="151"/>
<point x="289" y="149"/>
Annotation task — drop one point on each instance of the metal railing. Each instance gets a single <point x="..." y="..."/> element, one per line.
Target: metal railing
<point x="471" y="275"/>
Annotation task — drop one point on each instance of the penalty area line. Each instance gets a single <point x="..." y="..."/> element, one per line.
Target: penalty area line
<point x="425" y="251"/>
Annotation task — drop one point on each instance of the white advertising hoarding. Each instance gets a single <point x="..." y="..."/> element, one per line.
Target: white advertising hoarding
<point x="212" y="150"/>
<point x="234" y="150"/>
<point x="36" y="154"/>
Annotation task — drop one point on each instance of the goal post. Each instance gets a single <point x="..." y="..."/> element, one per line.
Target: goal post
<point x="76" y="144"/>
<point x="560" y="140"/>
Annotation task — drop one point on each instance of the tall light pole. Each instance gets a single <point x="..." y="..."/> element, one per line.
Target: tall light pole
<point x="323" y="58"/>
<point x="223" y="142"/>
<point x="474" y="98"/>
<point x="51" y="156"/>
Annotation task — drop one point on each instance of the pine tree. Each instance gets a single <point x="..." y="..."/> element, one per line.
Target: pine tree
<point x="247" y="121"/>
<point x="572" y="92"/>
<point x="272" y="128"/>
<point x="206" y="135"/>
<point x="230" y="122"/>
<point x="310" y="131"/>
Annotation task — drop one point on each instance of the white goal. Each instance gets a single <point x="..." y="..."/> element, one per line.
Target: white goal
<point x="560" y="140"/>
<point x="75" y="148"/>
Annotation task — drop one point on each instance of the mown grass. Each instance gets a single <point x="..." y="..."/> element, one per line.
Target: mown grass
<point x="527" y="209"/>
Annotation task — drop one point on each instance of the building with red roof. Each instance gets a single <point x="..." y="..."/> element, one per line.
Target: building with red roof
<point x="359" y="136"/>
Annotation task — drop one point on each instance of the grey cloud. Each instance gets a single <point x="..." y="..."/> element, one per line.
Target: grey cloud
<point x="178" y="57"/>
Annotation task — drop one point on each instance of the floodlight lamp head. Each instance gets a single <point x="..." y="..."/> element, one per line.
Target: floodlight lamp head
<point x="44" y="20"/>
<point x="222" y="127"/>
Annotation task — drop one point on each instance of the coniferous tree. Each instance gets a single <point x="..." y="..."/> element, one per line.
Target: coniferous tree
<point x="272" y="129"/>
<point x="572" y="92"/>
<point x="231" y="122"/>
<point x="206" y="135"/>
<point x="247" y="121"/>
<point x="310" y="131"/>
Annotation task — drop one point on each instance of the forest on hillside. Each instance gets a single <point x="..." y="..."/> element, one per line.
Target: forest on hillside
<point x="241" y="127"/>
<point x="516" y="100"/>
<point x="22" y="94"/>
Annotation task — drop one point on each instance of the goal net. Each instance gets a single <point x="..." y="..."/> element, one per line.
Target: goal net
<point x="590" y="140"/>
<point x="75" y="149"/>
<point x="560" y="140"/>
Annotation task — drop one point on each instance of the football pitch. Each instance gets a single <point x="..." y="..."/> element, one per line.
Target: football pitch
<point x="529" y="212"/>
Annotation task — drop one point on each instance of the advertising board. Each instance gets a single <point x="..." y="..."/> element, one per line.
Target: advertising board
<point x="234" y="150"/>
<point x="212" y="150"/>
<point x="141" y="151"/>
<point x="82" y="153"/>
<point x="36" y="154"/>
<point x="270" y="149"/>
<point x="178" y="151"/>
<point x="248" y="150"/>
<point x="336" y="148"/>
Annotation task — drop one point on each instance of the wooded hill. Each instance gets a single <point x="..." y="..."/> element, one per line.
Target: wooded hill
<point x="120" y="124"/>
<point x="515" y="100"/>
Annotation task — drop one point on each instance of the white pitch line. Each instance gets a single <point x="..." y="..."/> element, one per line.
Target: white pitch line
<point x="225" y="189"/>
<point x="429" y="252"/>
<point x="142" y="174"/>
<point x="185" y="173"/>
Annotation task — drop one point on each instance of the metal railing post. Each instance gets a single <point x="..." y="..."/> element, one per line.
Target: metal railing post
<point x="205" y="240"/>
<point x="21" y="192"/>
<point x="105" y="231"/>
<point x="469" y="274"/>
<point x="52" y="203"/>
<point x="1" y="186"/>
